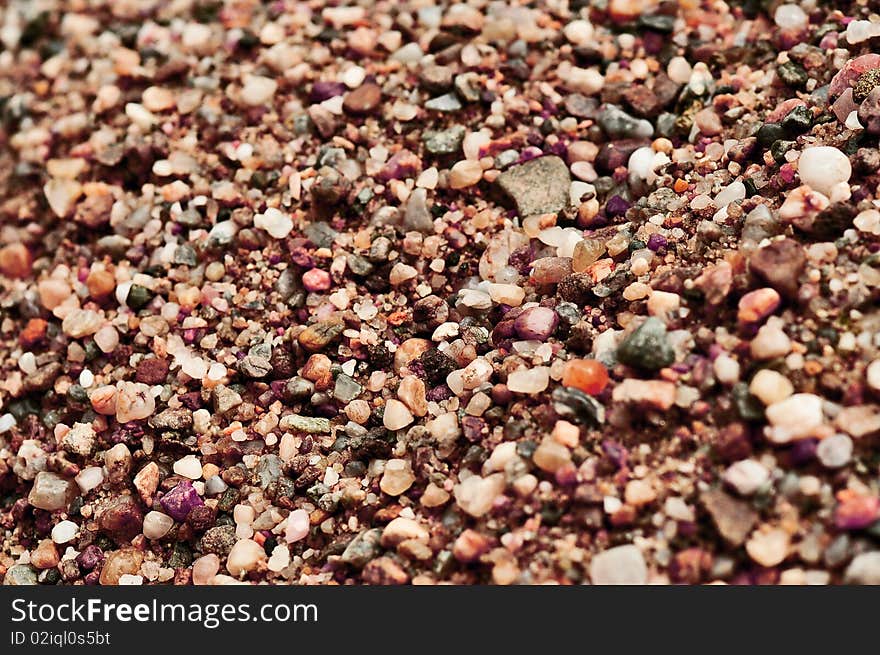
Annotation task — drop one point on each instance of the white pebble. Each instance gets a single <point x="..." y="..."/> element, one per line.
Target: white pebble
<point x="770" y="387"/>
<point x="790" y="17"/>
<point x="726" y="369"/>
<point x="796" y="417"/>
<point x="822" y="168"/>
<point x="258" y="90"/>
<point x="746" y="476"/>
<point x="533" y="380"/>
<point x="86" y="378"/>
<point x="275" y="222"/>
<point x="64" y="532"/>
<point x="7" y="421"/>
<point x="835" y="451"/>
<point x="578" y="32"/>
<point x="188" y="467"/>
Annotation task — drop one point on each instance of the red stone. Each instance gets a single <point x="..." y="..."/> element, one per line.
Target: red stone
<point x="588" y="375"/>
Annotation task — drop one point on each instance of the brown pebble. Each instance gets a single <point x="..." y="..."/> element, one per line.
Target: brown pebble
<point x="151" y="371"/>
<point x="363" y="99"/>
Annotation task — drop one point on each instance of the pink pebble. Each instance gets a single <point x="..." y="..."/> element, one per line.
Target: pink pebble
<point x="297" y="526"/>
<point x="316" y="280"/>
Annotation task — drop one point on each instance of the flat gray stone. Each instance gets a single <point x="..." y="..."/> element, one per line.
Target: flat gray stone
<point x="539" y="186"/>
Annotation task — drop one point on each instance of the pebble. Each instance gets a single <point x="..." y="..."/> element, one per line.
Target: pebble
<point x="465" y="173"/>
<point x="822" y="168"/>
<point x="475" y="495"/>
<point x="733" y="518"/>
<point x="89" y="478"/>
<point x="835" y="451"/>
<point x="79" y="440"/>
<point x="470" y="545"/>
<point x="536" y="323"/>
<point x="539" y="186"/>
<point x="363" y="99"/>
<point x="189" y="467"/>
<point x="434" y="496"/>
<point x="550" y="455"/>
<point x="396" y="415"/>
<point x="768" y="548"/>
<point x="796" y="417"/>
<point x="639" y="493"/>
<point x="617" y="124"/>
<point x="587" y="375"/>
<point x="397" y="477"/>
<point x="181" y="500"/>
<point x="872" y="375"/>
<point x="157" y="525"/>
<point x="298" y="525"/>
<point x="529" y="381"/>
<point x="62" y="195"/>
<point x="578" y="32"/>
<point x="258" y="90"/>
<point x="412" y="393"/>
<point x="81" y="323"/>
<point x="279" y="560"/>
<point x="770" y="342"/>
<point x="64" y="532"/>
<point x="622" y="565"/>
<point x="746" y="476"/>
<point x="146" y="481"/>
<point x="134" y="401"/>
<point x="204" y="569"/>
<point x="275" y="222"/>
<point x="246" y="556"/>
<point x="647" y="347"/>
<point x="770" y="386"/>
<point x="868" y="116"/>
<point x="506" y="294"/>
<point x="864" y="569"/>
<point x="758" y="305"/>
<point x="726" y="369"/>
<point x="51" y="492"/>
<point x="45" y="555"/>
<point x="403" y="529"/>
<point x="779" y="264"/>
<point x="790" y="17"/>
<point x="651" y="394"/>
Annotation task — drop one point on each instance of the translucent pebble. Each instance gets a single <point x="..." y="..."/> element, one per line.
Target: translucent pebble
<point x="397" y="478"/>
<point x="679" y="70"/>
<point x="297" y="526"/>
<point x="731" y="193"/>
<point x="89" y="478"/>
<point x="790" y="17"/>
<point x="157" y="525"/>
<point x="534" y="380"/>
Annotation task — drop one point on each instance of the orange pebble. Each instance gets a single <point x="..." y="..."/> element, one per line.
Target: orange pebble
<point x="100" y="283"/>
<point x="33" y="332"/>
<point x="588" y="375"/>
<point x="680" y="186"/>
<point x="15" y="260"/>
